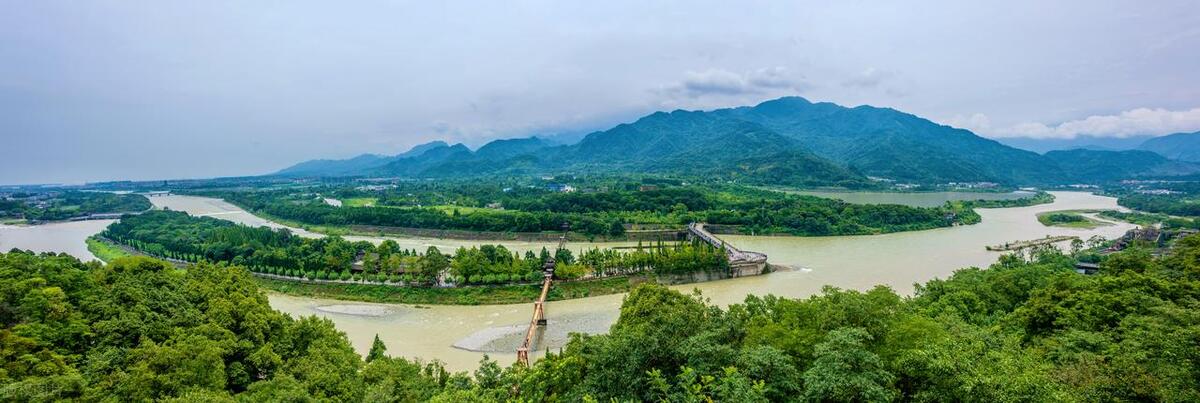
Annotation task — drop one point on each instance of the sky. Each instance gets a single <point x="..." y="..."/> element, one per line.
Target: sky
<point x="112" y="90"/>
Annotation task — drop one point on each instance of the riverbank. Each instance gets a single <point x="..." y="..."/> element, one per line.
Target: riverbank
<point x="479" y="295"/>
<point x="1018" y="245"/>
<point x="104" y="250"/>
<point x="1084" y="219"/>
<point x="462" y="235"/>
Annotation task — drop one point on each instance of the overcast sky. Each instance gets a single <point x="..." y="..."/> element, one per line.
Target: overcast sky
<point x="98" y="90"/>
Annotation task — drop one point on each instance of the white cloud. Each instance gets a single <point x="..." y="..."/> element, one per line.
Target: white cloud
<point x="1134" y="122"/>
<point x="719" y="82"/>
<point x="869" y="78"/>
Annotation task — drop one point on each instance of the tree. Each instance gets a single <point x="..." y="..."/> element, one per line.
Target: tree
<point x="377" y="349"/>
<point x="845" y="371"/>
<point x="432" y="264"/>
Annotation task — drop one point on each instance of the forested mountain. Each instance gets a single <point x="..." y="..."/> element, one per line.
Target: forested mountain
<point x="1178" y="146"/>
<point x="1043" y="145"/>
<point x="354" y="166"/>
<point x="888" y="143"/>
<point x="1098" y="166"/>
<point x="786" y="141"/>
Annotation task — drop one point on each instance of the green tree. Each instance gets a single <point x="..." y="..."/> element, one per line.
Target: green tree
<point x="377" y="349"/>
<point x="844" y="370"/>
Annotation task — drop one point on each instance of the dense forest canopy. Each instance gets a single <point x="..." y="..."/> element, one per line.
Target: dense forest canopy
<point x="1028" y="328"/>
<point x="595" y="208"/>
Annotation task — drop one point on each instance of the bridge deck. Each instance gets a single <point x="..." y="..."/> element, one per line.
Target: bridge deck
<point x="735" y="255"/>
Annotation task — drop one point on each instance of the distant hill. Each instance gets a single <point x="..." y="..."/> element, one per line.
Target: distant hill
<point x="1085" y="142"/>
<point x="1178" y="146"/>
<point x="892" y="144"/>
<point x="689" y="143"/>
<point x="353" y="166"/>
<point x="787" y="141"/>
<point x="1098" y="165"/>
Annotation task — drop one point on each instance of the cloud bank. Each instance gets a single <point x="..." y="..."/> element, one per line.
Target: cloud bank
<point x="1134" y="122"/>
<point x="720" y="82"/>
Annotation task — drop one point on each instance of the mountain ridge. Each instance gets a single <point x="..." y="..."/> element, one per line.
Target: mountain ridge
<point x="784" y="141"/>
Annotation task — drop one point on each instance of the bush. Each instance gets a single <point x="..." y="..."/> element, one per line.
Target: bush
<point x="533" y="276"/>
<point x="395" y="278"/>
<point x="345" y="275"/>
<point x="489" y="279"/>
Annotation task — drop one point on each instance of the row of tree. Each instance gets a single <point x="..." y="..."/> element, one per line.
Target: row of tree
<point x="179" y="236"/>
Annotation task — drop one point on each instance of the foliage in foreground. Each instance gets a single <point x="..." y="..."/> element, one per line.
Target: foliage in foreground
<point x="1021" y="330"/>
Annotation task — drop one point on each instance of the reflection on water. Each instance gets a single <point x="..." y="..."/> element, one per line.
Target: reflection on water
<point x="460" y="335"/>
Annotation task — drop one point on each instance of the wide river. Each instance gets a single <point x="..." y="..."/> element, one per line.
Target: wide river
<point x="460" y="335"/>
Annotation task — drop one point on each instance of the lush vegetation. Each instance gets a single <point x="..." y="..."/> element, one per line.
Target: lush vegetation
<point x="1033" y="200"/>
<point x="181" y="237"/>
<point x="1055" y="218"/>
<point x="1069" y="218"/>
<point x="600" y="208"/>
<point x="62" y="205"/>
<point x="104" y="250"/>
<point x="1026" y="329"/>
<point x="1178" y="204"/>
<point x="1148" y="219"/>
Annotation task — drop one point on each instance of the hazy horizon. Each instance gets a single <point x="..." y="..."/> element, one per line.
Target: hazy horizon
<point x="95" y="91"/>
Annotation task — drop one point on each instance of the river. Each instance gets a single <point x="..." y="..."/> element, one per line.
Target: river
<point x="460" y="335"/>
<point x="915" y="199"/>
<point x="53" y="237"/>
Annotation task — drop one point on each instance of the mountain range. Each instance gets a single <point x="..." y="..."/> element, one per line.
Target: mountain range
<point x="1043" y="145"/>
<point x="786" y="141"/>
<point x="1179" y="146"/>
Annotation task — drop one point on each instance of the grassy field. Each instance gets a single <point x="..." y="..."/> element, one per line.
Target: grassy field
<point x="360" y="201"/>
<point x="104" y="251"/>
<point x="512" y="294"/>
<point x="1070" y="219"/>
